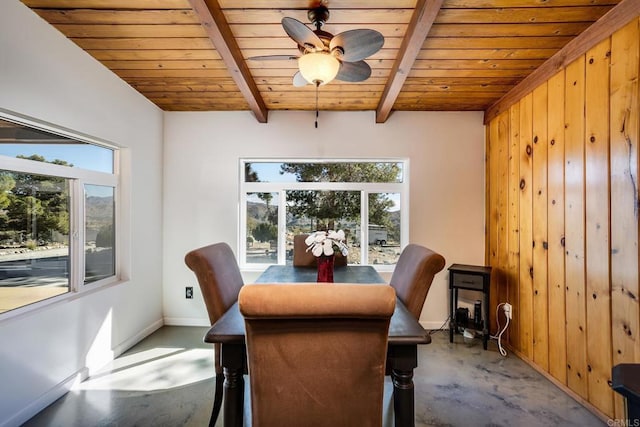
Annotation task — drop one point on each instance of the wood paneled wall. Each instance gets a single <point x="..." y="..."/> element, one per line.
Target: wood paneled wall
<point x="562" y="223"/>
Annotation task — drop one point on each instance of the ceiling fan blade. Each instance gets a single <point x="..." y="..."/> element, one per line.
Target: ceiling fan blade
<point x="357" y="44"/>
<point x="298" y="80"/>
<point x="301" y="34"/>
<point x="354" y="71"/>
<point x="272" y="58"/>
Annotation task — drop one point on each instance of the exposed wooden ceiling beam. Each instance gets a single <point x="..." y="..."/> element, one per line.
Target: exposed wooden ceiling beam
<point x="219" y="32"/>
<point x="612" y="21"/>
<point x="423" y="17"/>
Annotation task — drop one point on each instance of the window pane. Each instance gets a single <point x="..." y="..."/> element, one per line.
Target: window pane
<point x="384" y="228"/>
<point x="34" y="238"/>
<point x="311" y="210"/>
<point x="99" y="237"/>
<point x="323" y="172"/>
<point x="33" y="144"/>
<point x="262" y="228"/>
<point x="326" y="194"/>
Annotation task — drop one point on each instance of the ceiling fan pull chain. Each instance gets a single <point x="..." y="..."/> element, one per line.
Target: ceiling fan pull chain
<point x="317" y="113"/>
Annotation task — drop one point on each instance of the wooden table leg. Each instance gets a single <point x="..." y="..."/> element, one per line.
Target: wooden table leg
<point x="403" y="406"/>
<point x="233" y="357"/>
<point x="404" y="359"/>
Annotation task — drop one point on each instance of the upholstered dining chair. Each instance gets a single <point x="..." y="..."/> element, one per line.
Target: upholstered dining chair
<point x="316" y="353"/>
<point x="413" y="275"/>
<point x="219" y="277"/>
<point x="304" y="258"/>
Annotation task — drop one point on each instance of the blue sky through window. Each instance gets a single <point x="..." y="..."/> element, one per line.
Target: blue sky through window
<point x="270" y="172"/>
<point x="85" y="156"/>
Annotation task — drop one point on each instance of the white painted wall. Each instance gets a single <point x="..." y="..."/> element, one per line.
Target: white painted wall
<point x="45" y="76"/>
<point x="202" y="152"/>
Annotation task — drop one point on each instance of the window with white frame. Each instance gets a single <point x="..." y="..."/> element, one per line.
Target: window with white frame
<point x="279" y="199"/>
<point x="58" y="198"/>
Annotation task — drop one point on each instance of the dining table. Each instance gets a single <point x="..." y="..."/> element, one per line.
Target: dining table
<point x="405" y="334"/>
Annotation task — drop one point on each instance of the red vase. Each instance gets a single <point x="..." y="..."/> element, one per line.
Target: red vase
<point x="325" y="269"/>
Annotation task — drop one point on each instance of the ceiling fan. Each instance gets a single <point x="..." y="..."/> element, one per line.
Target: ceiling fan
<point x="325" y="57"/>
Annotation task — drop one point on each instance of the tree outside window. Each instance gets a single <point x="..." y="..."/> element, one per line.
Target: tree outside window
<point x="327" y="195"/>
<point x="41" y="183"/>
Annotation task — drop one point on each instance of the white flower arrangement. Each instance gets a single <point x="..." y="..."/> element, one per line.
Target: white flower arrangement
<point x="323" y="242"/>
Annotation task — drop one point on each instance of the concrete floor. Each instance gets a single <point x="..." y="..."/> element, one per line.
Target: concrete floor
<point x="166" y="380"/>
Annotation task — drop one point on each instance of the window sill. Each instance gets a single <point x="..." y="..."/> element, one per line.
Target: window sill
<point x="36" y="307"/>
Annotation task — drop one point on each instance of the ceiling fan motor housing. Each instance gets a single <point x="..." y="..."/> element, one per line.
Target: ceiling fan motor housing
<point x="325" y="57"/>
<point x="322" y="35"/>
<point x="318" y="16"/>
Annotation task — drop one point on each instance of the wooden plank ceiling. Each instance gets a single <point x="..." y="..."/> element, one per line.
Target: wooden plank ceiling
<point x="191" y="55"/>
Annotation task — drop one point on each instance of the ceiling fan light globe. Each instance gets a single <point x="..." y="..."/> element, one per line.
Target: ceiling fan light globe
<point x="318" y="67"/>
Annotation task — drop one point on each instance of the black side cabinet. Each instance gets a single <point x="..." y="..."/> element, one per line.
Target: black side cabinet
<point x="625" y="379"/>
<point x="474" y="278"/>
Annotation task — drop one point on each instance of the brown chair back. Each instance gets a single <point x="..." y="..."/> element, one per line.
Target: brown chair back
<point x="413" y="275"/>
<point x="304" y="258"/>
<point x="219" y="277"/>
<point x="218" y="274"/>
<point x="316" y="353"/>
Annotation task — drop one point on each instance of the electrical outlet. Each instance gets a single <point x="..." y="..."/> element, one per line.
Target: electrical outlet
<point x="508" y="310"/>
<point x="188" y="292"/>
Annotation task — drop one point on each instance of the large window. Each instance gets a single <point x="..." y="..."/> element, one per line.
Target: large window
<point x="58" y="198"/>
<point x="365" y="198"/>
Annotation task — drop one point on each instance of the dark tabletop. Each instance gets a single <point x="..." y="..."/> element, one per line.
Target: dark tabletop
<point x="403" y="328"/>
<point x="345" y="274"/>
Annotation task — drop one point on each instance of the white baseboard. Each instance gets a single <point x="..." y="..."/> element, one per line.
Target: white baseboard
<point x="127" y="344"/>
<point x="433" y="325"/>
<point x="46" y="399"/>
<point x="186" y="321"/>
<point x="68" y="383"/>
